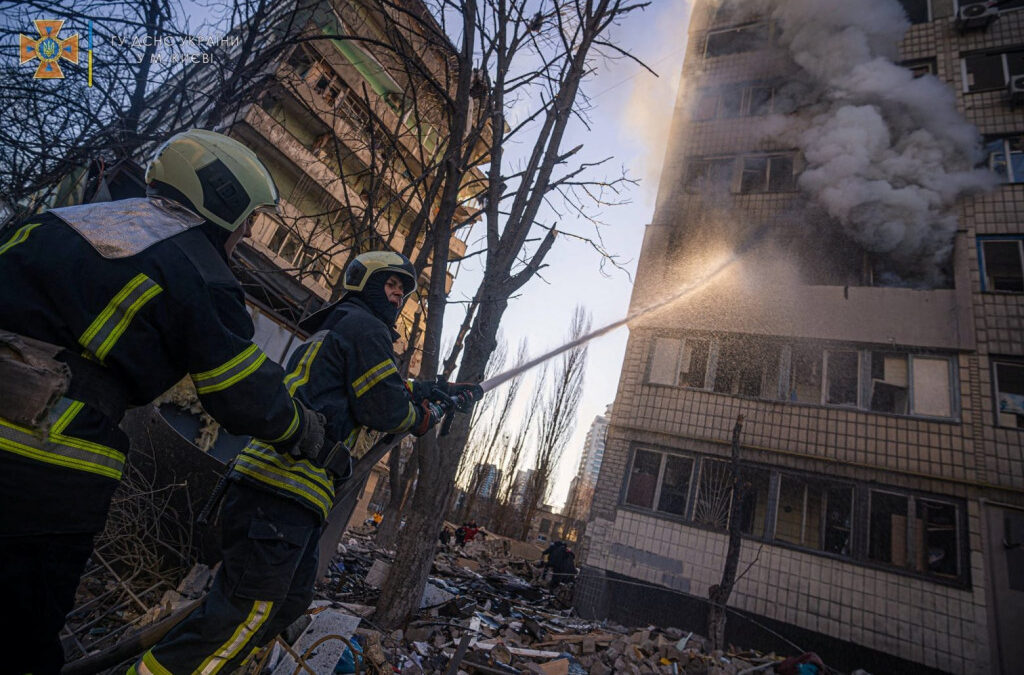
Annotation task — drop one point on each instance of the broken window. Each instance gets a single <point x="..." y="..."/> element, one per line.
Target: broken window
<point x="714" y="494"/>
<point x="664" y="360"/>
<point x="937" y="538"/>
<point x="992" y="70"/>
<point x="887" y="528"/>
<point x="675" y="485"/>
<point x="1006" y="157"/>
<point x="760" y="99"/>
<point x="754" y="504"/>
<point x="841" y="377"/>
<point x="736" y="40"/>
<point x="921" y="67"/>
<point x="747" y="367"/>
<point x="545" y="525"/>
<point x="838" y="523"/>
<point x="798" y="520"/>
<point x="805" y="374"/>
<point x="932" y="389"/>
<point x="917" y="10"/>
<point x="772" y="173"/>
<point x="1002" y="264"/>
<point x="708" y="174"/>
<point x="1009" y="385"/>
<point x="889" y="383"/>
<point x="643" y="479"/>
<point x="693" y="369"/>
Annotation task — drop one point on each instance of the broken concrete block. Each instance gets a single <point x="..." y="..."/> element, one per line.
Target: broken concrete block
<point x="556" y="667"/>
<point x="378" y="573"/>
<point x="589" y="645"/>
<point x="599" y="668"/>
<point x="326" y="655"/>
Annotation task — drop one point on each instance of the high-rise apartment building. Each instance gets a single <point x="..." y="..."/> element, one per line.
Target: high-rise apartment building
<point x="842" y="211"/>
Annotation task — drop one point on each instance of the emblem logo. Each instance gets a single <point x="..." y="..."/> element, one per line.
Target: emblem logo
<point x="49" y="48"/>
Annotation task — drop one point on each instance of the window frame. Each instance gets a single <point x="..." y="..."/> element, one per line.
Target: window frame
<point x="663" y="455"/>
<point x="735" y="28"/>
<point x="929" y="12"/>
<point x="983" y="266"/>
<point x="766" y="184"/>
<point x="965" y="79"/>
<point x="996" y="361"/>
<point x="1005" y="139"/>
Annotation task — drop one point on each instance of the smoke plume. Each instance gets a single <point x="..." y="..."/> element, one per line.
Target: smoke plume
<point x="887" y="154"/>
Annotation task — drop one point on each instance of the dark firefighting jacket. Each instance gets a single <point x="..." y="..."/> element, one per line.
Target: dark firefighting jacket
<point x="145" y="321"/>
<point x="347" y="371"/>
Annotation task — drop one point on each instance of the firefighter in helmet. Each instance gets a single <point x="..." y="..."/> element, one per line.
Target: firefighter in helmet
<point x="346" y="370"/>
<point x="103" y="307"/>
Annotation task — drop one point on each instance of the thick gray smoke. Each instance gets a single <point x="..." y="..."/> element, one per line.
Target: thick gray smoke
<point x="887" y="154"/>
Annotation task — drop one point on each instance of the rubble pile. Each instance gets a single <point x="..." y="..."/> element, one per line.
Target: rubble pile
<point x="488" y="611"/>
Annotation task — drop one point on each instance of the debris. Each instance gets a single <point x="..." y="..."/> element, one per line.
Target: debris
<point x="321" y="645"/>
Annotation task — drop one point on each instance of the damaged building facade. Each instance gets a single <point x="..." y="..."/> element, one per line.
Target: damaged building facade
<point x="856" y="173"/>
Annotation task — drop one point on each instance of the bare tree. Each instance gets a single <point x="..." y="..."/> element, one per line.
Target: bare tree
<point x="718" y="594"/>
<point x="539" y="54"/>
<point x="561" y="402"/>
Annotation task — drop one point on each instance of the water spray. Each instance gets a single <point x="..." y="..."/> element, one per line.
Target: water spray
<point x="688" y="289"/>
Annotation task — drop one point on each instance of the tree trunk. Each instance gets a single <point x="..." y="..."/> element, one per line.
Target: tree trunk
<point x="387" y="531"/>
<point x="719" y="595"/>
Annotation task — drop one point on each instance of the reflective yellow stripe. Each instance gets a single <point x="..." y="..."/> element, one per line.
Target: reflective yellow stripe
<point x="245" y="632"/>
<point x="410" y="417"/>
<point x="305" y="467"/>
<point x="19" y="237"/>
<point x="300" y="375"/>
<point x="106" y="329"/>
<point x="61" y="450"/>
<point x="230" y="373"/>
<point x="374" y="375"/>
<point x="150" y="666"/>
<point x="266" y="475"/>
<point x="291" y="427"/>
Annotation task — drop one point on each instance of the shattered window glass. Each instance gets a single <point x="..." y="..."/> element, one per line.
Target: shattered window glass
<point x="1010" y="394"/>
<point x="747" y="367"/>
<point x="755" y="175"/>
<point x="889" y="383"/>
<point x="805" y="374"/>
<point x="917" y="10"/>
<point x="675" y="485"/>
<point x="937" y="538"/>
<point x="643" y="479"/>
<point x="838" y="520"/>
<point x="887" y="528"/>
<point x="842" y="378"/>
<point x="664" y="357"/>
<point x="768" y="174"/>
<point x="714" y="494"/>
<point x="736" y="40"/>
<point x="694" y="362"/>
<point x="1003" y="265"/>
<point x="798" y="520"/>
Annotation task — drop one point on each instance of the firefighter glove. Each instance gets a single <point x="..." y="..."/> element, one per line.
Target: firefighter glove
<point x="311" y="440"/>
<point x="465" y="395"/>
<point x="431" y="414"/>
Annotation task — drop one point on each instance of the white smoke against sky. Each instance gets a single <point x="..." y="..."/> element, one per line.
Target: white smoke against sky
<point x="887" y="154"/>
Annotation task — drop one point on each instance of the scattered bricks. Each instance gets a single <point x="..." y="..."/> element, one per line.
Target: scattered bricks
<point x="589" y="645"/>
<point x="599" y="668"/>
<point x="640" y="636"/>
<point x="649" y="647"/>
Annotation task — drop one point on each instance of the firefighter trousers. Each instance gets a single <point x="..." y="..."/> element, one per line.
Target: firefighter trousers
<point x="264" y="584"/>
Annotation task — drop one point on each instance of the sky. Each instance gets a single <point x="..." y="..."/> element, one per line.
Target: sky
<point x="630" y="121"/>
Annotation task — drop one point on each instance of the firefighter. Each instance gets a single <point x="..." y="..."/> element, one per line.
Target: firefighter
<point x="128" y="297"/>
<point x="275" y="507"/>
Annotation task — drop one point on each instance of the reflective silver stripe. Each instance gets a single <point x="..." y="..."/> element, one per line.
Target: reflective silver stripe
<point x="284" y="481"/>
<point x="300" y="375"/>
<point x="60" y="450"/>
<point x="229" y="373"/>
<point x="303" y="467"/>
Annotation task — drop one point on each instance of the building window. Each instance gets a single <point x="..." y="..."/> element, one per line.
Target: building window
<point x="921" y="67"/>
<point x="703" y="175"/>
<point x="918" y="11"/>
<point x="772" y="173"/>
<point x="747" y="367"/>
<point x="1009" y="387"/>
<point x="890" y="385"/>
<point x="814" y="515"/>
<point x="938" y="539"/>
<point x="1006" y="157"/>
<point x="887" y="528"/>
<point x="1002" y="264"/>
<point x="643" y="479"/>
<point x="932" y="387"/>
<point x="991" y="70"/>
<point x="694" y="364"/>
<point x="664" y="364"/>
<point x="545" y="525"/>
<point x="674" y="490"/>
<point x="754" y="504"/>
<point x="805" y="374"/>
<point x="736" y="40"/>
<point x="714" y="494"/>
<point x="739" y="100"/>
<point x="841" y="368"/>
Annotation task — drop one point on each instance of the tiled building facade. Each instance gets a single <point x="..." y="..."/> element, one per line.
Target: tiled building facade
<point x="883" y="442"/>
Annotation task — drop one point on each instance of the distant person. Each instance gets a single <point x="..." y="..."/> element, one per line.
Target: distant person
<point x="562" y="562"/>
<point x="460" y="536"/>
<point x="471" y="530"/>
<point x="445" y="536"/>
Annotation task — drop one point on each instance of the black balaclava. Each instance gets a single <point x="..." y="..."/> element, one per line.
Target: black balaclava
<point x="375" y="298"/>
